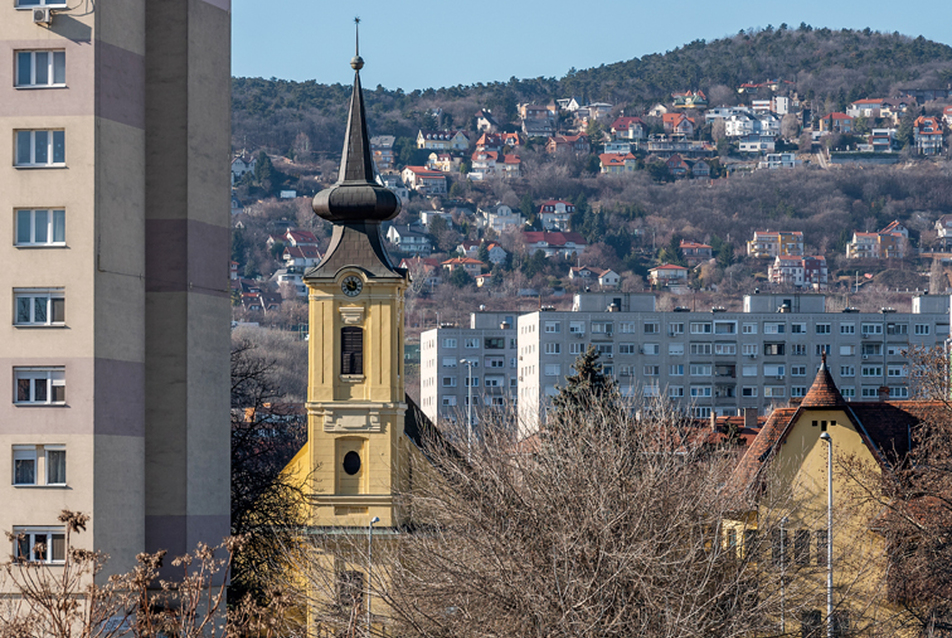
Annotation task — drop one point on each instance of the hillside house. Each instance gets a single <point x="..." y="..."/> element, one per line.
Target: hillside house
<point x="604" y="277"/>
<point x="809" y="272"/>
<point x="485" y="121"/>
<point x="511" y="140"/>
<point x="473" y="267"/>
<point x="927" y="134"/>
<point x="577" y="144"/>
<point x="943" y="228"/>
<point x="757" y="144"/>
<point x="442" y="140"/>
<point x="774" y="243"/>
<point x="556" y="214"/>
<point x="423" y="268"/>
<point x="382" y="148"/>
<point x="293" y="237"/>
<point x="568" y="245"/>
<point x="569" y="104"/>
<point x="410" y="239"/>
<point x="500" y="218"/>
<point x="425" y="181"/>
<point x="947" y="116"/>
<point x="616" y="163"/>
<point x="773" y="161"/>
<point x="442" y="162"/>
<point x="695" y="253"/>
<point x="497" y="254"/>
<point x="302" y="257"/>
<point x="511" y="166"/>
<point x="700" y="169"/>
<point x="882" y="140"/>
<point x="885" y="244"/>
<point x="629" y="128"/>
<point x="489" y="142"/>
<point x="690" y="100"/>
<point x="677" y="167"/>
<point x="678" y="125"/>
<point x="537" y="121"/>
<point x="836" y="123"/>
<point x="241" y="166"/>
<point x="667" y="275"/>
<point x="483" y="165"/>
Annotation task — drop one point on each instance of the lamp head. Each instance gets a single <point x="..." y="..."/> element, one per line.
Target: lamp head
<point x="826" y="437"/>
<point x="375" y="519"/>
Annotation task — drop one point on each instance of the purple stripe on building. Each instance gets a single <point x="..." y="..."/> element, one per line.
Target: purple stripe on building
<point x="120" y="85"/>
<point x="186" y="256"/>
<point x="120" y="398"/>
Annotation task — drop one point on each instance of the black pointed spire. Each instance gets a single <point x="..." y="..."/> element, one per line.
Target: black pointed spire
<point x="356" y="197"/>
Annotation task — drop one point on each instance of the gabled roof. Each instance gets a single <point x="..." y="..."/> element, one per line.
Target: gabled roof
<point x="692" y="245"/>
<point x="669" y="267"/>
<point x="423" y="171"/>
<point x="511" y="158"/>
<point x="462" y="261"/>
<point x="553" y="239"/>
<point x="301" y="236"/>
<point x="626" y="122"/>
<point x="302" y="252"/>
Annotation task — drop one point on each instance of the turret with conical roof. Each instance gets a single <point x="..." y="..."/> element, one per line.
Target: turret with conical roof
<point x="823" y="393"/>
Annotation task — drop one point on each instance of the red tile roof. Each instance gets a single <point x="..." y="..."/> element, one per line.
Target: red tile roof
<point x="553" y="239"/>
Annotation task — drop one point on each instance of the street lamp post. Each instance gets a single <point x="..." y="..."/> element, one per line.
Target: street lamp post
<point x="783" y="575"/>
<point x="469" y="405"/>
<point x="829" y="533"/>
<point x="370" y="554"/>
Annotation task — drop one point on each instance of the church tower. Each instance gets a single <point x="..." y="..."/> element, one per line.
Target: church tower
<point x="355" y="459"/>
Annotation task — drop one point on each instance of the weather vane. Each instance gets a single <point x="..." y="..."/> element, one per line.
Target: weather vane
<point x="357" y="36"/>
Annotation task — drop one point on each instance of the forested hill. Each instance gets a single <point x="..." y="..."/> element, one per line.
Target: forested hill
<point x="829" y="68"/>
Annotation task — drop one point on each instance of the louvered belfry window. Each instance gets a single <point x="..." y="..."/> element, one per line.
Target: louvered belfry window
<point x="352" y="350"/>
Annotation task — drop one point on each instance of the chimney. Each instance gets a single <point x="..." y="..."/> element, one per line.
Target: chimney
<point x="713" y="421"/>
<point x="750" y="418"/>
<point x="883" y="393"/>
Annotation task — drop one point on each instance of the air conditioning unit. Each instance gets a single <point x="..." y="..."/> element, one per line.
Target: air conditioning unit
<point x="42" y="15"/>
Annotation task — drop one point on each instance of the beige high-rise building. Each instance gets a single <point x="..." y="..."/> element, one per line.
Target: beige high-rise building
<point x="114" y="348"/>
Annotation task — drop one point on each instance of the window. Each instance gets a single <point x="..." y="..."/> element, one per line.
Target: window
<point x="39" y="544"/>
<point x="749" y="328"/>
<point x="774" y="349"/>
<point x="470" y="343"/>
<point x="774" y="370"/>
<point x="602" y="327"/>
<point x="847" y="351"/>
<point x="799" y="349"/>
<point x="651" y="391"/>
<point x="651" y="348"/>
<point x="627" y="348"/>
<point x="577" y="327"/>
<point x="875" y="349"/>
<point x="676" y="328"/>
<point x="700" y="370"/>
<point x="821" y="547"/>
<point x="896" y="350"/>
<point x="748" y="391"/>
<point x="40" y="385"/>
<point x="699" y="391"/>
<point x="725" y="327"/>
<point x="449" y="382"/>
<point x="749" y="370"/>
<point x="652" y="371"/>
<point x="449" y="343"/>
<point x="798" y="371"/>
<point x="40" y="227"/>
<point x="39" y="307"/>
<point x="800" y="328"/>
<point x="872" y="371"/>
<point x="553" y="348"/>
<point x="896" y="371"/>
<point x="774" y="328"/>
<point x="701" y="348"/>
<point x="494" y="381"/>
<point x="626" y="327"/>
<point x="676" y="391"/>
<point x="352" y="350"/>
<point x="41" y="68"/>
<point x="872" y="328"/>
<point x="553" y="369"/>
<point x="575" y="348"/>
<point x="449" y="362"/>
<point x="449" y="401"/>
<point x="848" y="392"/>
<point x="652" y="328"/>
<point x="749" y="349"/>
<point x="774" y="391"/>
<point x="798" y="391"/>
<point x="40" y="148"/>
<point x="897" y="328"/>
<point x="701" y="327"/>
<point x="725" y="348"/>
<point x="553" y="327"/>
<point x="901" y="392"/>
<point x="30" y="460"/>
<point x="626" y="371"/>
<point x="496" y="362"/>
<point x="847" y="371"/>
<point x="847" y="328"/>
<point x="922" y="329"/>
<point x="466" y="381"/>
<point x="822" y="348"/>
<point x="675" y="349"/>
<point x="701" y="412"/>
<point x="494" y="343"/>
<point x="676" y="370"/>
<point x="350" y="590"/>
<point x="604" y="349"/>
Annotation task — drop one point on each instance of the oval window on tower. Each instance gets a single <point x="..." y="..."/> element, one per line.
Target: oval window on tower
<point x="351" y="463"/>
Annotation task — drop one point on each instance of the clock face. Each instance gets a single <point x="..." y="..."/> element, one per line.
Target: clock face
<point x="352" y="285"/>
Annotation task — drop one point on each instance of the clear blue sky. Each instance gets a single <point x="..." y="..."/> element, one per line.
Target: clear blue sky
<point x="417" y="45"/>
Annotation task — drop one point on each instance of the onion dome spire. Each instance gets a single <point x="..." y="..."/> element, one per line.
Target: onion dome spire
<point x="356" y="196"/>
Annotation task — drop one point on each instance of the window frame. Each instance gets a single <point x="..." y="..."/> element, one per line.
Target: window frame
<point x="55" y="377"/>
<point x="52" y="215"/>
<point x="51" y="145"/>
<point x="23" y="4"/>
<point x="55" y="307"/>
<point x="33" y="534"/>
<point x="52" y="55"/>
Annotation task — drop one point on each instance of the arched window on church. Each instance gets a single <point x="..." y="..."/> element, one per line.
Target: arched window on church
<point x="352" y="350"/>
